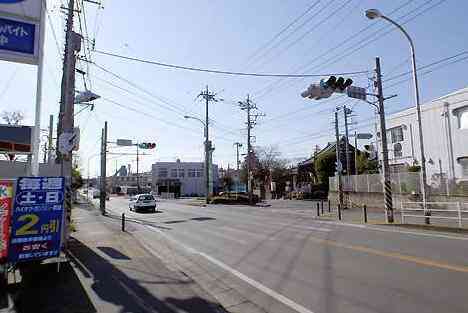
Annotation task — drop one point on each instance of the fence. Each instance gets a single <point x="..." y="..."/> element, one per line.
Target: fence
<point x="402" y="183"/>
<point x="454" y="211"/>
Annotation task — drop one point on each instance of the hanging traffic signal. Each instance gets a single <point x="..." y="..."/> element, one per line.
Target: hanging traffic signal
<point x="147" y="145"/>
<point x="337" y="84"/>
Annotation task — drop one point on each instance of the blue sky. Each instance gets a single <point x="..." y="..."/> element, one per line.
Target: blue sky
<point x="224" y="35"/>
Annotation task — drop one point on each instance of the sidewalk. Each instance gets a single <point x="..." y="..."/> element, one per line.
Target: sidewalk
<point x="120" y="275"/>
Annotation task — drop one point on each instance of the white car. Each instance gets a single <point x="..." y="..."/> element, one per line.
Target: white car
<point x="144" y="202"/>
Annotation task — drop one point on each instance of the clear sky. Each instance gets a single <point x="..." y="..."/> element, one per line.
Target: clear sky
<point x="333" y="36"/>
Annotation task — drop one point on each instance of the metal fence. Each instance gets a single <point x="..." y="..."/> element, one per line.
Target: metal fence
<point x="402" y="183"/>
<point x="445" y="211"/>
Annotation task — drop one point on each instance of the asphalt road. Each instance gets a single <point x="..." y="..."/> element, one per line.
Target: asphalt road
<point x="322" y="266"/>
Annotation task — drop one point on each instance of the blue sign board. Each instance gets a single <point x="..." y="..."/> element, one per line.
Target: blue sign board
<point x="36" y="219"/>
<point x="17" y="36"/>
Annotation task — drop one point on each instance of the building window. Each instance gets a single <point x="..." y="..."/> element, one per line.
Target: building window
<point x="181" y="172"/>
<point x="162" y="172"/>
<point x="397" y="134"/>
<point x="463" y="118"/>
<point x="174" y="172"/>
<point x="199" y="173"/>
<point x="463" y="161"/>
<point x="191" y="173"/>
<point x="397" y="150"/>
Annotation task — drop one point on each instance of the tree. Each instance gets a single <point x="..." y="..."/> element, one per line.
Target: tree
<point x="227" y="182"/>
<point x="366" y="166"/>
<point x="77" y="179"/>
<point x="325" y="167"/>
<point x="13" y="117"/>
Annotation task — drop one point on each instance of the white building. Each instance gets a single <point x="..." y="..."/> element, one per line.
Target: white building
<point x="445" y="133"/>
<point x="182" y="178"/>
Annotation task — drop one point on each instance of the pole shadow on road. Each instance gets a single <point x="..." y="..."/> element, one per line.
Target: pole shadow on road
<point x="132" y="295"/>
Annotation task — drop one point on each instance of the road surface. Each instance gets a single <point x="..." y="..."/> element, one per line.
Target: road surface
<point x="317" y="266"/>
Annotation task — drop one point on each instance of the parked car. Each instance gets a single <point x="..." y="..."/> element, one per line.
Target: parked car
<point x="142" y="202"/>
<point x="96" y="193"/>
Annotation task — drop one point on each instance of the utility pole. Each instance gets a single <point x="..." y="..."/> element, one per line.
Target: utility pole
<point x="338" y="161"/>
<point x="355" y="154"/>
<point x="237" y="144"/>
<point x="138" y="167"/>
<point x="251" y="120"/>
<point x="50" y="139"/>
<point x="103" y="186"/>
<point x="66" y="113"/>
<point x="346" y="112"/>
<point x="387" y="184"/>
<point x="208" y="96"/>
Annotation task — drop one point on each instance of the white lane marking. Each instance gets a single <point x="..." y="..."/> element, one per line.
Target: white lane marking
<point x="279" y="297"/>
<point x="311" y="228"/>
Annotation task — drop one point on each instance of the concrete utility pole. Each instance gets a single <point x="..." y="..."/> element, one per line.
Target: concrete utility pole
<point x="138" y="167"/>
<point x="387" y="184"/>
<point x="208" y="96"/>
<point x="338" y="161"/>
<point x="66" y="114"/>
<point x="355" y="154"/>
<point x="248" y="106"/>
<point x="237" y="144"/>
<point x="346" y="113"/>
<point x="103" y="183"/>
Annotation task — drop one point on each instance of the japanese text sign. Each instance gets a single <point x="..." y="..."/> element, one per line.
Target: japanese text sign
<point x="20" y="25"/>
<point x="36" y="219"/>
<point x="6" y="197"/>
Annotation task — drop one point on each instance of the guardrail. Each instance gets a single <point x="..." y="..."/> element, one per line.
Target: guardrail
<point x="454" y="210"/>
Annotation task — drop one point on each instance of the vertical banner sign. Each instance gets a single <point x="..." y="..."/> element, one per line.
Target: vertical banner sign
<point x="20" y="21"/>
<point x="36" y="219"/>
<point x="6" y="199"/>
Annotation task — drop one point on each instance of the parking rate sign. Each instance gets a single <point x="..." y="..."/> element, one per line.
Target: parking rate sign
<point x="6" y="197"/>
<point x="36" y="219"/>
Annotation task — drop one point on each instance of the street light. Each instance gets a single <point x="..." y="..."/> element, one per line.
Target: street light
<point x="373" y="14"/>
<point x="207" y="153"/>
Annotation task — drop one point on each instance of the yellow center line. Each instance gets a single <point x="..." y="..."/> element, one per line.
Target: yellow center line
<point x="394" y="255"/>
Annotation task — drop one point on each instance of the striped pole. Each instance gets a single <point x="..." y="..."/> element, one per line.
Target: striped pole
<point x="388" y="201"/>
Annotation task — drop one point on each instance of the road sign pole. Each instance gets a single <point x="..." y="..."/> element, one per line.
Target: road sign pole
<point x="35" y="142"/>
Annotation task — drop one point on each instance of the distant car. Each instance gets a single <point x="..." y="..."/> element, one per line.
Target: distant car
<point x="142" y="202"/>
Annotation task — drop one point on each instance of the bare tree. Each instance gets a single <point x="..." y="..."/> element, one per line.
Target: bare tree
<point x="13" y="117"/>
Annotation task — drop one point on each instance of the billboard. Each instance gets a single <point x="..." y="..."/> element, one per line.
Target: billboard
<point x="6" y="199"/>
<point x="15" y="139"/>
<point x="37" y="216"/>
<point x="20" y="22"/>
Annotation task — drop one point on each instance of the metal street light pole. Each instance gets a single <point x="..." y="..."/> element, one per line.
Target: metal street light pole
<point x="205" y="127"/>
<point x="372" y="14"/>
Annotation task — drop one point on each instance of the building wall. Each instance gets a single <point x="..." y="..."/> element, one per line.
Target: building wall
<point x="189" y="185"/>
<point x="436" y="135"/>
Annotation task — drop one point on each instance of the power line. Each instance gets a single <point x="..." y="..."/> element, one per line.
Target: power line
<point x="270" y="87"/>
<point x="196" y="69"/>
<point x="265" y="53"/>
<point x="429" y="65"/>
<point x="253" y="55"/>
<point x="313" y="28"/>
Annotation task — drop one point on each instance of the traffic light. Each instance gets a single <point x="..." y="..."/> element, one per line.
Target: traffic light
<point x="327" y="87"/>
<point x="147" y="145"/>
<point x="337" y="84"/>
